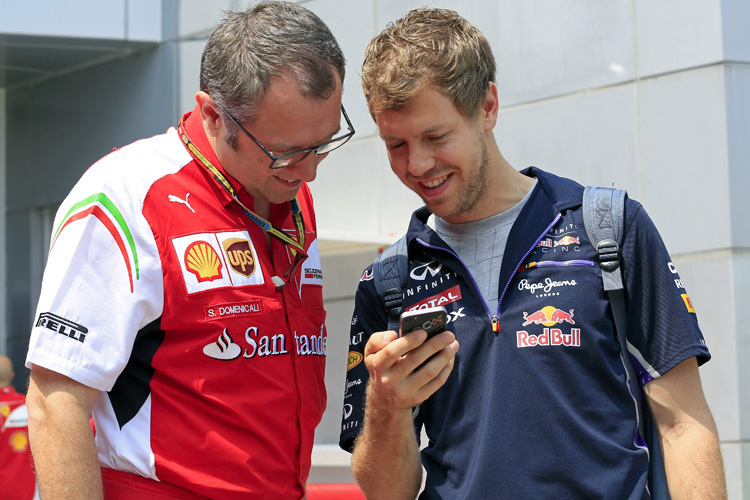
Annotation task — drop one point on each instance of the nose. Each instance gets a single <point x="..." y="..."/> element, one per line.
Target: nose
<point x="420" y="160"/>
<point x="307" y="168"/>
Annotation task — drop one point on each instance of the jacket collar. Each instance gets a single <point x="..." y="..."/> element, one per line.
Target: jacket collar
<point x="193" y="127"/>
<point x="551" y="196"/>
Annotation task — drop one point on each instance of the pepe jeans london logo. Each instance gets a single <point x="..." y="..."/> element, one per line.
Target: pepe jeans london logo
<point x="546" y="288"/>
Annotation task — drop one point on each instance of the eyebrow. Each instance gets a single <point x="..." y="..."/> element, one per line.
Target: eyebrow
<point x="296" y="148"/>
<point x="426" y="131"/>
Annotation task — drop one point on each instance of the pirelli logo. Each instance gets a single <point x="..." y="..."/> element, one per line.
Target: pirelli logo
<point x="62" y="326"/>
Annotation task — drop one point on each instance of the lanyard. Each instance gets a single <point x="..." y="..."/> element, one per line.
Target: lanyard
<point x="298" y="248"/>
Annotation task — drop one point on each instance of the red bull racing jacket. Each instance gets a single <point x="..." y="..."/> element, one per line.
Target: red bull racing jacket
<point x="538" y="405"/>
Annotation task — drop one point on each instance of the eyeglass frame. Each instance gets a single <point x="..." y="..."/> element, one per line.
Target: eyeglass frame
<point x="275" y="158"/>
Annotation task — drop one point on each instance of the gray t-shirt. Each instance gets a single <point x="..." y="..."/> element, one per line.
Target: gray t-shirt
<point x="481" y="245"/>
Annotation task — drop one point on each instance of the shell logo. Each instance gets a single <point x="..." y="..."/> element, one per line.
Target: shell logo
<point x="202" y="260"/>
<point x="19" y="441"/>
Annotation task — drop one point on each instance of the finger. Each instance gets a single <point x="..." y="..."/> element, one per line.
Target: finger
<point x="401" y="387"/>
<point x="376" y="342"/>
<point x="389" y="360"/>
<point x="436" y="382"/>
<point x="393" y="345"/>
<point x="437" y="343"/>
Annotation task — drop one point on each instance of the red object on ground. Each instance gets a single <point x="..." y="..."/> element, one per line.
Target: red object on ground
<point x="337" y="491"/>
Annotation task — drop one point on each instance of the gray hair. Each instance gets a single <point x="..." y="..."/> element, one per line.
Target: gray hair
<point x="268" y="40"/>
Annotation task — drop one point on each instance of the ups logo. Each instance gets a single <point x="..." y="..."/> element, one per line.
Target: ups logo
<point x="240" y="256"/>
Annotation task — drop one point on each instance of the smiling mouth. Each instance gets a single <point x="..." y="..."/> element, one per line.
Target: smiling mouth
<point x="434" y="183"/>
<point x="288" y="181"/>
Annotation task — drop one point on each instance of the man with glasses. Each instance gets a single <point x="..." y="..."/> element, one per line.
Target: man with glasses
<point x="182" y="301"/>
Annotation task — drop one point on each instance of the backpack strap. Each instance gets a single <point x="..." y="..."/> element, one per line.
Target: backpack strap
<point x="604" y="219"/>
<point x="390" y="270"/>
<point x="603" y="214"/>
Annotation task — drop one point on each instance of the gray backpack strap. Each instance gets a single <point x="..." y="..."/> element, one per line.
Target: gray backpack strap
<point x="603" y="214"/>
<point x="604" y="219"/>
<point x="390" y="270"/>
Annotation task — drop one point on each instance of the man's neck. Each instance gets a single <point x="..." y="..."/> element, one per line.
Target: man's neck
<point x="262" y="208"/>
<point x="505" y="187"/>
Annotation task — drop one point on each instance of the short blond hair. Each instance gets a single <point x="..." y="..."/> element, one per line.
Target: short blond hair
<point x="428" y="47"/>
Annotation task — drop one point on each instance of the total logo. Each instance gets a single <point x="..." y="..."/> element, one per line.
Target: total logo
<point x="549" y="316"/>
<point x="258" y="345"/>
<point x="445" y="297"/>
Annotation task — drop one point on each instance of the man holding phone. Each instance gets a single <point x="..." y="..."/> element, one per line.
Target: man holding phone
<point x="535" y="404"/>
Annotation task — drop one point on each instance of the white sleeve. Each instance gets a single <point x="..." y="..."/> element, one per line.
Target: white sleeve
<point x="102" y="283"/>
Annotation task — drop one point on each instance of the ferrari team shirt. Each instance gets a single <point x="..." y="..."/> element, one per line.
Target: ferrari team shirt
<point x="158" y="292"/>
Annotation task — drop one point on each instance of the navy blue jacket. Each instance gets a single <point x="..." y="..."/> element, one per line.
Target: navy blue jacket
<point x="540" y="407"/>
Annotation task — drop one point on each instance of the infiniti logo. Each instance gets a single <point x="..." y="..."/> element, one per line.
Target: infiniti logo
<point x="415" y="274"/>
<point x="347" y="411"/>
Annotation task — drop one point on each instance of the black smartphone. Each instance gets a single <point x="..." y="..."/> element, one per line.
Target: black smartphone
<point x="432" y="320"/>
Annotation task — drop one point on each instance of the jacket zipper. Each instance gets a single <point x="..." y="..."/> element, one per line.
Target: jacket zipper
<point x="494" y="318"/>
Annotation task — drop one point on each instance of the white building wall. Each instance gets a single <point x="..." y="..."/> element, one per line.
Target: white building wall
<point x="653" y="97"/>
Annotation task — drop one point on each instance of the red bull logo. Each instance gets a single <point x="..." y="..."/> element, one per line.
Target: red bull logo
<point x="549" y="337"/>
<point x="568" y="240"/>
<point x="545" y="243"/>
<point x="548" y="316"/>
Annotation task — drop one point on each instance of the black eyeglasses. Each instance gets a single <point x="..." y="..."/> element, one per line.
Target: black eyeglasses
<point x="287" y="159"/>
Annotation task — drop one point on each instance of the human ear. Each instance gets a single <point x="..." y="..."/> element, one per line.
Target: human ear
<point x="490" y="107"/>
<point x="210" y="116"/>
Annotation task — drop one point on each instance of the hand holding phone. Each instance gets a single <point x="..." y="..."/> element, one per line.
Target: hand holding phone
<point x="432" y="320"/>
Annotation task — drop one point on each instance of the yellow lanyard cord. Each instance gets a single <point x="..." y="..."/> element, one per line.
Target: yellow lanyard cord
<point x="260" y="221"/>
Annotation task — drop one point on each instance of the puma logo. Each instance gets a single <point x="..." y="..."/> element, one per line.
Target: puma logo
<point x="175" y="199"/>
